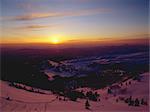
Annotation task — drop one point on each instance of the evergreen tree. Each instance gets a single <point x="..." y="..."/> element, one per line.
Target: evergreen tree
<point x="87" y="105"/>
<point x="131" y="103"/>
<point x="127" y="100"/>
<point x="117" y="100"/>
<point x="109" y="91"/>
<point x="142" y="101"/>
<point x="137" y="102"/>
<point x="130" y="98"/>
<point x="130" y="82"/>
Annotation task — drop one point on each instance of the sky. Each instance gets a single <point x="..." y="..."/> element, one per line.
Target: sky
<point x="73" y="21"/>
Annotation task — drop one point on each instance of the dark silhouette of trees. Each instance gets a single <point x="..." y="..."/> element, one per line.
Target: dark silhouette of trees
<point x="87" y="105"/>
<point x="130" y="101"/>
<point x="92" y="96"/>
<point x="74" y="95"/>
<point x="129" y="82"/>
<point x="142" y="101"/>
<point x="109" y="91"/>
<point x="137" y="103"/>
<point x="117" y="100"/>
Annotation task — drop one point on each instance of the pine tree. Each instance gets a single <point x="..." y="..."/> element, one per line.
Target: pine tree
<point x="137" y="102"/>
<point x="130" y="82"/>
<point x="117" y="100"/>
<point x="130" y="98"/>
<point x="142" y="101"/>
<point x="87" y="105"/>
<point x="109" y="91"/>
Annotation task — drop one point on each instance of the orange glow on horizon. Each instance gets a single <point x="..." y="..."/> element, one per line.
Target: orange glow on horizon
<point x="56" y="40"/>
<point x="64" y="39"/>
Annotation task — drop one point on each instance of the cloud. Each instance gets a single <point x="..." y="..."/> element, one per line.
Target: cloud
<point x="34" y="27"/>
<point x="33" y="16"/>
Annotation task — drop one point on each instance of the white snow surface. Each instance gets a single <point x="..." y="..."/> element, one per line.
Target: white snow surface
<point x="24" y="101"/>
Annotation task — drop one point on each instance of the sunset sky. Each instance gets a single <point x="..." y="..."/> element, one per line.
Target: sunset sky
<point x="73" y="21"/>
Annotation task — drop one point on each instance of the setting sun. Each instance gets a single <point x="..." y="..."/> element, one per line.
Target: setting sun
<point x="55" y="40"/>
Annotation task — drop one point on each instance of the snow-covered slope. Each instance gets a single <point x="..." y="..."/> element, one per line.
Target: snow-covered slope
<point x="24" y="101"/>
